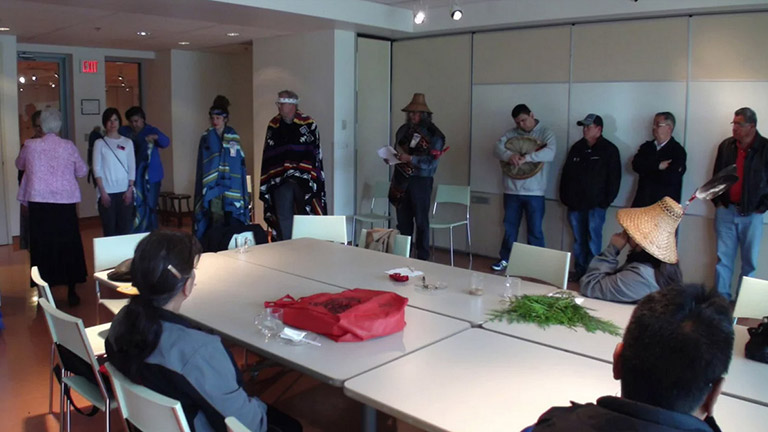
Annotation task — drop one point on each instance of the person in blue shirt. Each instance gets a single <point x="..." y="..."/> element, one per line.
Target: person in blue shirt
<point x="147" y="140"/>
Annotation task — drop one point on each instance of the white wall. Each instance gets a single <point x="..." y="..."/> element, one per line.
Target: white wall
<point x="196" y="78"/>
<point x="319" y="67"/>
<point x="9" y="139"/>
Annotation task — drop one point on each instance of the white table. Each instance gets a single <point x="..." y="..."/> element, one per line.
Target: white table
<point x="597" y="345"/>
<point x="228" y="295"/>
<point x="746" y="379"/>
<point x="481" y="381"/>
<point x="352" y="267"/>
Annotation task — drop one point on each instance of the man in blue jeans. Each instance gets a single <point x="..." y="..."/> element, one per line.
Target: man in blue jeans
<point x="524" y="195"/>
<point x="739" y="212"/>
<point x="588" y="185"/>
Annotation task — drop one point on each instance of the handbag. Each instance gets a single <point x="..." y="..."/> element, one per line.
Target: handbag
<point x="349" y="316"/>
<point x="757" y="346"/>
<point x="121" y="272"/>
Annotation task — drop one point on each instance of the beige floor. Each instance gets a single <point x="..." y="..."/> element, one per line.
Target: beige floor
<point x="25" y="345"/>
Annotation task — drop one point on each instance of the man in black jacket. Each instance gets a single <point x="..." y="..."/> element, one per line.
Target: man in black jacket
<point x="660" y="163"/>
<point x="589" y="183"/>
<point x="739" y="212"/>
<point x="671" y="362"/>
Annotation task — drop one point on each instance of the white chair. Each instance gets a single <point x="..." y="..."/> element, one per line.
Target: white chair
<point x="380" y="192"/>
<point x="540" y="263"/>
<point x="144" y="408"/>
<point x="246" y="236"/>
<point x="107" y="253"/>
<point x="96" y="334"/>
<point x="752" y="301"/>
<point x="449" y="194"/>
<point x="402" y="246"/>
<point x="331" y="228"/>
<point x="234" y="425"/>
<point x="68" y="332"/>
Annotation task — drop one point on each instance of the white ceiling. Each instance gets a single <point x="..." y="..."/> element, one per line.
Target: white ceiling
<point x="205" y="23"/>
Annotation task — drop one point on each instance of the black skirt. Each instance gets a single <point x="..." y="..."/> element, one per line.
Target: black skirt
<point x="55" y="246"/>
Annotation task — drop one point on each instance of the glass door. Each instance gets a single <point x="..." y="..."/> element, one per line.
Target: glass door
<point x="41" y="83"/>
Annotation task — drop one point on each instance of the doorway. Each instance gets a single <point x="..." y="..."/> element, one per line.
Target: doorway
<point x="40" y="81"/>
<point x="123" y="80"/>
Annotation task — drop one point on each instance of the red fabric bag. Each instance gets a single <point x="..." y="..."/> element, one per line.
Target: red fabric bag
<point x="349" y="316"/>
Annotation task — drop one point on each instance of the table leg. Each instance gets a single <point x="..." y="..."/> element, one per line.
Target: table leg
<point x="369" y="419"/>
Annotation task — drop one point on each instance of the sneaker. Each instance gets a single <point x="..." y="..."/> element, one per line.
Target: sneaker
<point x="499" y="266"/>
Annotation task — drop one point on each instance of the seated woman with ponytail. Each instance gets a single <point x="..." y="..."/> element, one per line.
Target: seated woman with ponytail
<point x="154" y="346"/>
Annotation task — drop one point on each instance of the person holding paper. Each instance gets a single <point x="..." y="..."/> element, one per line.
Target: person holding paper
<point x="419" y="144"/>
<point x="292" y="179"/>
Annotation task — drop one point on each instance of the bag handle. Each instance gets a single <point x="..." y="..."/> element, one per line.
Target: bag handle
<point x="281" y="302"/>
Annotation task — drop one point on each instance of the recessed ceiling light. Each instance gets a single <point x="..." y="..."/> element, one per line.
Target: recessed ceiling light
<point x="183" y="43"/>
<point x="5" y="29"/>
<point x="143" y="33"/>
<point x="22" y="79"/>
<point x="233" y="34"/>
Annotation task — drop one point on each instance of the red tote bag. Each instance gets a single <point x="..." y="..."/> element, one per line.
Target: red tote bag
<point x="349" y="316"/>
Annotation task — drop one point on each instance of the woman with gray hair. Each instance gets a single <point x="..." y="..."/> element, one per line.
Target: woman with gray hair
<point x="51" y="165"/>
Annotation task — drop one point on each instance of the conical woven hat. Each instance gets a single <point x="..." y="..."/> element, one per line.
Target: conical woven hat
<point x="418" y="104"/>
<point x="653" y="227"/>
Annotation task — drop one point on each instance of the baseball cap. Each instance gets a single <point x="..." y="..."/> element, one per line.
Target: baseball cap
<point x="591" y="119"/>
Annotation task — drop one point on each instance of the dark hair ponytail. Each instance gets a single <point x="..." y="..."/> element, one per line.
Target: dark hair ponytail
<point x="161" y="266"/>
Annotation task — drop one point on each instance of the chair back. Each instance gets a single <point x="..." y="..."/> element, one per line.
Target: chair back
<point x="144" y="408"/>
<point x="402" y="246"/>
<point x="234" y="425"/>
<point x="331" y="228"/>
<point x="752" y="301"/>
<point x="44" y="291"/>
<point x="380" y="191"/>
<point x="110" y="251"/>
<point x="547" y="265"/>
<point x="452" y="194"/>
<point x="243" y="235"/>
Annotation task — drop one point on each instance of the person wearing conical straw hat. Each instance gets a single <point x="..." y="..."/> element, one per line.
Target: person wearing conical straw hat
<point x="419" y="144"/>
<point x="652" y="262"/>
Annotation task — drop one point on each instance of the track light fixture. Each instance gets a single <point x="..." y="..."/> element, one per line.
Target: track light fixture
<point x="419" y="13"/>
<point x="456" y="12"/>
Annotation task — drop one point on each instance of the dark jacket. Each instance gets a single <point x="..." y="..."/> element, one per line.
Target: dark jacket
<point x="591" y="175"/>
<point x="613" y="414"/>
<point x="754" y="195"/>
<point x="654" y="184"/>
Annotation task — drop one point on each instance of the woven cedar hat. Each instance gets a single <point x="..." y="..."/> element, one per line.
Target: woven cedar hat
<point x="653" y="227"/>
<point x="418" y="104"/>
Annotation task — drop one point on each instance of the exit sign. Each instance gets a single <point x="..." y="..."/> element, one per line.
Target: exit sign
<point x="89" y="66"/>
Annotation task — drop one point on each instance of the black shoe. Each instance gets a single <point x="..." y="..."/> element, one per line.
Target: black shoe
<point x="73" y="298"/>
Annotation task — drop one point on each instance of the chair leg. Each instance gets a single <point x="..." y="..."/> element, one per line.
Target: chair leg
<point x="354" y="231"/>
<point x="432" y="238"/>
<point x="98" y="301"/>
<point x="50" y="381"/>
<point x="62" y="409"/>
<point x="450" y="230"/>
<point x="106" y="413"/>
<point x="469" y="246"/>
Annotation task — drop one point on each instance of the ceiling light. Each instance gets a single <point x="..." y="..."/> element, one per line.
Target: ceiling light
<point x="120" y="77"/>
<point x="34" y="77"/>
<point x="143" y="33"/>
<point x="122" y="84"/>
<point x="53" y="85"/>
<point x="456" y="12"/>
<point x="22" y="79"/>
<point x="419" y="17"/>
<point x="233" y="34"/>
<point x="5" y="29"/>
<point x="183" y="43"/>
<point x="21" y="89"/>
<point x="56" y="75"/>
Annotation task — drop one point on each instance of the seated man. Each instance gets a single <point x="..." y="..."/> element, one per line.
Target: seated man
<point x="671" y="363"/>
<point x="652" y="259"/>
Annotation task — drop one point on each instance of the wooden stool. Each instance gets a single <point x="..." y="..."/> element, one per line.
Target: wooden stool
<point x="177" y="211"/>
<point x="163" y="209"/>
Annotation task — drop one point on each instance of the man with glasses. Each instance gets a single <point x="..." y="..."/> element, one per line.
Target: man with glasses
<point x="660" y="164"/>
<point x="739" y="210"/>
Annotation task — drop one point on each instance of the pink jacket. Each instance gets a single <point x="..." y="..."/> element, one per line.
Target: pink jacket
<point x="50" y="166"/>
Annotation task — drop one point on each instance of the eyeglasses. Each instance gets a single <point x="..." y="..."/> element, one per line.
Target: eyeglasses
<point x="741" y="124"/>
<point x="658" y="125"/>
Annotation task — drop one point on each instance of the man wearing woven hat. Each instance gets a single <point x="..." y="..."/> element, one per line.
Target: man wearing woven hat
<point x="525" y="193"/>
<point x="588" y="185"/>
<point x="739" y="212"/>
<point x="292" y="178"/>
<point x="419" y="144"/>
<point x="652" y="259"/>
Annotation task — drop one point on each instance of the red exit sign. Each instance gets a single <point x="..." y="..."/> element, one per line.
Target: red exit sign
<point x="90" y="66"/>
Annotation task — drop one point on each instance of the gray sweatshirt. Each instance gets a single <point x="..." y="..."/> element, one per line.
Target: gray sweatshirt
<point x="537" y="184"/>
<point x="605" y="280"/>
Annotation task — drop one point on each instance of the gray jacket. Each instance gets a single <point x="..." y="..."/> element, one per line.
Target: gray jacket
<point x="605" y="280"/>
<point x="537" y="184"/>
